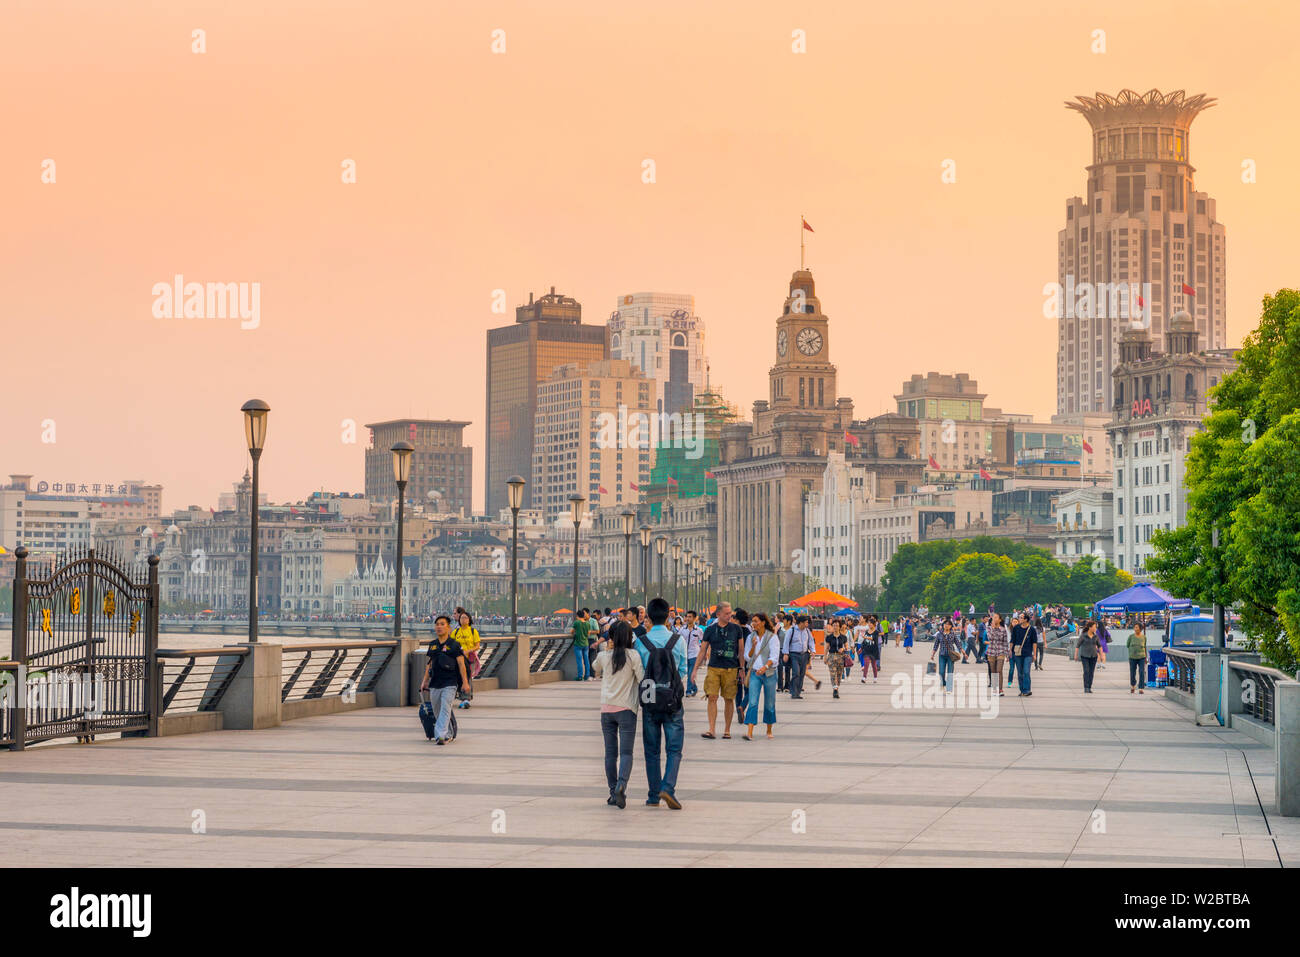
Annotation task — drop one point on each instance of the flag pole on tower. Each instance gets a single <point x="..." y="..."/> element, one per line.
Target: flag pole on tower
<point x="801" y="222"/>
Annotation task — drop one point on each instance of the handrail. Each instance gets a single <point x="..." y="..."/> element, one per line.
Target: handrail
<point x="1260" y="669"/>
<point x="199" y="652"/>
<point x="339" y="645"/>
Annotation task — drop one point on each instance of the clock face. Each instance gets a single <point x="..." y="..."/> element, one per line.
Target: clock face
<point x="782" y="342"/>
<point x="809" y="341"/>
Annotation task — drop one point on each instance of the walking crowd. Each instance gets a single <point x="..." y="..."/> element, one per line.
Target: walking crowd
<point x="649" y="660"/>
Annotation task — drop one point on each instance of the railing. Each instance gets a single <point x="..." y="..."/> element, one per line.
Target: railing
<point x="1260" y="703"/>
<point x="8" y="700"/>
<point x="492" y="654"/>
<point x="192" y="681"/>
<point x="547" y="652"/>
<point x="321" y="670"/>
<point x="1182" y="669"/>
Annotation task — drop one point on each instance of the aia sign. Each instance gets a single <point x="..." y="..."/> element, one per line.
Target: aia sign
<point x="1142" y="407"/>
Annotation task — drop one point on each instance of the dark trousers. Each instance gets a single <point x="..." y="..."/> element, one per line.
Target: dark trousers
<point x="798" y="667"/>
<point x="1026" y="662"/>
<point x="783" y="675"/>
<point x="1039" y="649"/>
<point x="619" y="729"/>
<point x="1089" y="666"/>
<point x="1137" y="672"/>
<point x="666" y="732"/>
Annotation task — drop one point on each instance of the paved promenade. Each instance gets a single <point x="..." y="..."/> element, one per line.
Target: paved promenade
<point x="852" y="782"/>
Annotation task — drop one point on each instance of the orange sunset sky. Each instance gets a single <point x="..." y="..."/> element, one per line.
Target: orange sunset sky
<point x="478" y="171"/>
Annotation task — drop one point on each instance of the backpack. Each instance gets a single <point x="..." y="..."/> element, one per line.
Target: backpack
<point x="661" y="689"/>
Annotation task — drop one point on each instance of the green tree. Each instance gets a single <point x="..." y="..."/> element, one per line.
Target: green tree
<point x="1039" y="579"/>
<point x="1242" y="479"/>
<point x="978" y="578"/>
<point x="907" y="574"/>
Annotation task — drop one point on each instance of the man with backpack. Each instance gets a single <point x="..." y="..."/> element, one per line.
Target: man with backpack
<point x="443" y="674"/>
<point x="664" y="656"/>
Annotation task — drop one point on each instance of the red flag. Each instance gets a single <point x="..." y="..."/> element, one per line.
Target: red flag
<point x="292" y="510"/>
<point x="708" y="474"/>
<point x="324" y="509"/>
<point x="984" y="475"/>
<point x="805" y="225"/>
<point x="1188" y="290"/>
<point x="1086" y="447"/>
<point x="212" y="510"/>
<point x="671" y="480"/>
<point x="602" y="490"/>
<point x="934" y="465"/>
<point x="634" y="486"/>
<point x="852" y="439"/>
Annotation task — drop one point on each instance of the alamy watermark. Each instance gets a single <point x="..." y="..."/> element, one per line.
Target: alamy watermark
<point x="179" y="299"/>
<point x="1098" y="300"/>
<point x="651" y="430"/>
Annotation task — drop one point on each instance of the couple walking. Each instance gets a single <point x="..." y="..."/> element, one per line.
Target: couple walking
<point x="643" y="673"/>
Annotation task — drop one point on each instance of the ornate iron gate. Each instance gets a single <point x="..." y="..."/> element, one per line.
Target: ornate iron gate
<point x="86" y="636"/>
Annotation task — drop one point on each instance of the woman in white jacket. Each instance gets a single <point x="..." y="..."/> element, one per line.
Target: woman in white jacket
<point x="620" y="671"/>
<point x="762" y="657"/>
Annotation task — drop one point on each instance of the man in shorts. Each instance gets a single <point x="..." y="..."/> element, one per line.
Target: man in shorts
<point x="722" y="646"/>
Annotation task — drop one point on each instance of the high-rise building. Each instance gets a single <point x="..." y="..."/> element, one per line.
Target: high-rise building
<point x="592" y="436"/>
<point x="950" y="412"/>
<point x="442" y="466"/>
<point x="1143" y="245"/>
<point x="546" y="333"/>
<point x="659" y="333"/>
<point x="1160" y="402"/>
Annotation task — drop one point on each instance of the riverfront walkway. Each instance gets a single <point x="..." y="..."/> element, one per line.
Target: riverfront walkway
<point x="873" y="785"/>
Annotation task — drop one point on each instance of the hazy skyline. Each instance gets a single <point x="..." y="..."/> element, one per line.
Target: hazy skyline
<point x="520" y="171"/>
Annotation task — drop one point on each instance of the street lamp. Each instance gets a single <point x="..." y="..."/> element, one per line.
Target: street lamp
<point x="708" y="573"/>
<point x="515" y="493"/>
<point x="255" y="411"/>
<point x="695" y="581"/>
<point x="645" y="560"/>
<point x="576" y="503"/>
<point x="677" y="561"/>
<point x="401" y="474"/>
<point x="629" y="520"/>
<point x="661" y="544"/>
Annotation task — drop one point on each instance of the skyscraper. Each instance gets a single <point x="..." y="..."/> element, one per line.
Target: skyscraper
<point x="1143" y="227"/>
<point x="546" y="333"/>
<point x="659" y="333"/>
<point x="442" y="468"/>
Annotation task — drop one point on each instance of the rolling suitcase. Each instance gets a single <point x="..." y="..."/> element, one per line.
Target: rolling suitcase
<point x="429" y="720"/>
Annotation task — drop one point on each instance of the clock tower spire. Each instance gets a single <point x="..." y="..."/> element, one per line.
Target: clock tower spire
<point x="803" y="376"/>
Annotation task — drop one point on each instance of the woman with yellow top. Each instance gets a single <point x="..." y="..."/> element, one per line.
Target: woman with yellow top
<point x="468" y="638"/>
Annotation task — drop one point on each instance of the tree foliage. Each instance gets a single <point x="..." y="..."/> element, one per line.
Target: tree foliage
<point x="1242" y="476"/>
<point x="907" y="574"/>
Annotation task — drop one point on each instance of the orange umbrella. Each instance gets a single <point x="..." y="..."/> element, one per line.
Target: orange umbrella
<point x="562" y="611"/>
<point x="824" y="596"/>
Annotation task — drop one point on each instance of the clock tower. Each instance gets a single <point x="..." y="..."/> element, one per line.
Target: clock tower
<point x="803" y="376"/>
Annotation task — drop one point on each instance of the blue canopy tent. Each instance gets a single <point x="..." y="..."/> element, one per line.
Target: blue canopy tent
<point x="1141" y="597"/>
<point x="846" y="613"/>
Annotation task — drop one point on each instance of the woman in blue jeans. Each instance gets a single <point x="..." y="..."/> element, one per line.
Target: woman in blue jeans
<point x="762" y="658"/>
<point x="620" y="670"/>
<point x="946" y="642"/>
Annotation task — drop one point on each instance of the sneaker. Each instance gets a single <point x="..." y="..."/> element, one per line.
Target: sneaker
<point x="837" y="693"/>
<point x="864" y="680"/>
<point x="620" y="797"/>
<point x="670" y="800"/>
<point x="610" y="800"/>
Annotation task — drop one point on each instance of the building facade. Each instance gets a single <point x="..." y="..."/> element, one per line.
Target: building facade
<point x="1085" y="525"/>
<point x="1160" y="402"/>
<point x="592" y="436"/>
<point x="546" y="333"/>
<point x="442" y="466"/>
<point x="659" y="333"/>
<point x="1143" y="228"/>
<point x="831" y="523"/>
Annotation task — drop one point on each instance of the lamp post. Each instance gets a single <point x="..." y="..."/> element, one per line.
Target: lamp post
<point x="686" y="557"/>
<point x="645" y="561"/>
<point x="661" y="545"/>
<point x="576" y="503"/>
<point x="708" y="573"/>
<point x="695" y="584"/>
<point x="401" y="474"/>
<point x="677" y="561"/>
<point x="515" y="493"/>
<point x="629" y="520"/>
<point x="255" y="411"/>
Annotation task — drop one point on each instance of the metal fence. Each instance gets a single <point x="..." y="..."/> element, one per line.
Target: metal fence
<point x="547" y="652"/>
<point x="492" y="654"/>
<point x="1182" y="669"/>
<point x="1260" y="701"/>
<point x="9" y="671"/>
<point x="321" y="670"/>
<point x="197" y="680"/>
